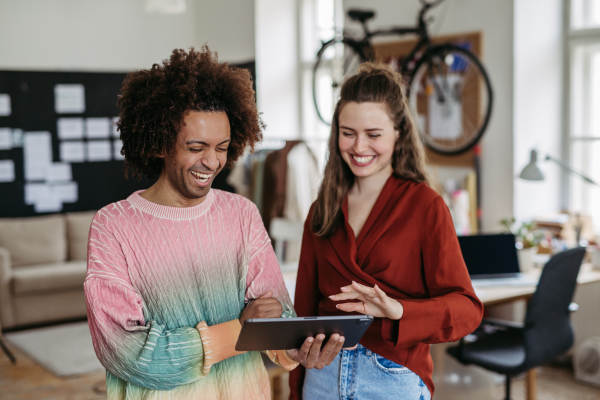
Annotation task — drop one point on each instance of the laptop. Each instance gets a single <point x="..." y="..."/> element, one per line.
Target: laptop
<point x="492" y="260"/>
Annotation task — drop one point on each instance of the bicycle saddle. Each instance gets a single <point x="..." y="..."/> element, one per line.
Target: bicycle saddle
<point x="359" y="15"/>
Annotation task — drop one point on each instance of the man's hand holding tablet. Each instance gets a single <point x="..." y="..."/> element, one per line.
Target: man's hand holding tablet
<point x="310" y="354"/>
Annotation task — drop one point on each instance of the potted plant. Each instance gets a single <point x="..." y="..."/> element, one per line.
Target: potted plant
<point x="527" y="237"/>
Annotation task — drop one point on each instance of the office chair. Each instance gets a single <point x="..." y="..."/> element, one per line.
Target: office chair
<point x="546" y="333"/>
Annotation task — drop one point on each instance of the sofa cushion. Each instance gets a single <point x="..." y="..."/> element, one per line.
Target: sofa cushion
<point x="78" y="229"/>
<point x="58" y="276"/>
<point x="34" y="240"/>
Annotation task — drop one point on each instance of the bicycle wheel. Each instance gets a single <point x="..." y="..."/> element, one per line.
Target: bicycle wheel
<point x="336" y="60"/>
<point x="451" y="97"/>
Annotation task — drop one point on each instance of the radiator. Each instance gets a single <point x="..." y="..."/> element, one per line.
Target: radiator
<point x="586" y="321"/>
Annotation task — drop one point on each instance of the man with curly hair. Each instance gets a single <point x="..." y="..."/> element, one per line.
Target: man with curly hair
<point x="174" y="270"/>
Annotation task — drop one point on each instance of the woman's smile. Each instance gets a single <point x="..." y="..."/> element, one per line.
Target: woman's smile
<point x="362" y="161"/>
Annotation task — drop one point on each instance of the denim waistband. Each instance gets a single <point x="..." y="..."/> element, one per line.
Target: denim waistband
<point x="360" y="349"/>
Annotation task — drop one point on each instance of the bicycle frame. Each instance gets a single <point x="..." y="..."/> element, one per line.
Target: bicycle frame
<point x="420" y="30"/>
<point x="420" y="53"/>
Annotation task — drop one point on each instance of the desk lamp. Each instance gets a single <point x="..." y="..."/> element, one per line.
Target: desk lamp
<point x="532" y="171"/>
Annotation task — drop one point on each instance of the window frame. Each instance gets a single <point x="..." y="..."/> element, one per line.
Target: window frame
<point x="313" y="128"/>
<point x="574" y="37"/>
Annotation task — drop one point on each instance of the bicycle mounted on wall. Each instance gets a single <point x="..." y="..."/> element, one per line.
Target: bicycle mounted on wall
<point x="448" y="89"/>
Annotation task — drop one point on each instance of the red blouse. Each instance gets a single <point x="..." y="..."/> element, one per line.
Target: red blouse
<point x="407" y="246"/>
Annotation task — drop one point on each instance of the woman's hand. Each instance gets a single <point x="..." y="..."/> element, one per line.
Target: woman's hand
<point x="310" y="354"/>
<point x="266" y="306"/>
<point x="371" y="301"/>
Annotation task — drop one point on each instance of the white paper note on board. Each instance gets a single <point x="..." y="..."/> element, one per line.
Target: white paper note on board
<point x="98" y="150"/>
<point x="115" y="131"/>
<point x="117" y="146"/>
<point x="70" y="128"/>
<point x="65" y="192"/>
<point x="50" y="203"/>
<point x="60" y="172"/>
<point x="50" y="198"/>
<point x="445" y="118"/>
<point x="69" y="99"/>
<point x="72" y="151"/>
<point x="97" y="128"/>
<point x="36" y="191"/>
<point x="7" y="171"/>
<point x="17" y="138"/>
<point x="5" y="108"/>
<point x="37" y="155"/>
<point x="5" y="138"/>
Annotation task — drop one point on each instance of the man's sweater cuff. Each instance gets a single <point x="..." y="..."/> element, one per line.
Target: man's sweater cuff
<point x="219" y="342"/>
<point x="281" y="358"/>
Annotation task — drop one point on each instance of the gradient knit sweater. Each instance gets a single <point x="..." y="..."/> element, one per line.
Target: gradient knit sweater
<point x="165" y="287"/>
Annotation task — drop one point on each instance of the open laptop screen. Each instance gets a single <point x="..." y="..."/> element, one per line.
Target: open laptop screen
<point x="490" y="255"/>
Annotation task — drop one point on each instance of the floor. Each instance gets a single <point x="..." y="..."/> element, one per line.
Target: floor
<point x="28" y="381"/>
<point x="553" y="383"/>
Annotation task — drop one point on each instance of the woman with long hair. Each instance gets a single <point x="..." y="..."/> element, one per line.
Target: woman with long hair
<point x="379" y="241"/>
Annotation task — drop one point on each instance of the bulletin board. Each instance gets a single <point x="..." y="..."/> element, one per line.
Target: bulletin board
<point x="387" y="51"/>
<point x="59" y="148"/>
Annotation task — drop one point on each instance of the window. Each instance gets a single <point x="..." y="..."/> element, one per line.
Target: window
<point x="585" y="14"/>
<point x="320" y="21"/>
<point x="583" y="41"/>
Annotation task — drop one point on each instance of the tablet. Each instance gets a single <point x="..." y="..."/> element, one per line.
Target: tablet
<point x="289" y="333"/>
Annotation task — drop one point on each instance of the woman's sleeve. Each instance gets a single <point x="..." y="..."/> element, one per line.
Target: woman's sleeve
<point x="453" y="310"/>
<point x="144" y="353"/>
<point x="264" y="274"/>
<point x="307" y="297"/>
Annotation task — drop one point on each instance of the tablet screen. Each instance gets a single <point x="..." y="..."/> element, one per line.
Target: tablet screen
<point x="289" y="333"/>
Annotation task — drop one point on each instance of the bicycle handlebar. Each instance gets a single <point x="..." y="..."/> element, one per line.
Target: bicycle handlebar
<point x="426" y="6"/>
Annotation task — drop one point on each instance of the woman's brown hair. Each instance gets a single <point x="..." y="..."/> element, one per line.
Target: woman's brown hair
<point x="374" y="83"/>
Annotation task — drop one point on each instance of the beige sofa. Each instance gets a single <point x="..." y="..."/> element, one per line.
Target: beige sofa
<point x="43" y="263"/>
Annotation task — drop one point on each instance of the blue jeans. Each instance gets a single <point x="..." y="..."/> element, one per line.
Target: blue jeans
<point x="361" y="374"/>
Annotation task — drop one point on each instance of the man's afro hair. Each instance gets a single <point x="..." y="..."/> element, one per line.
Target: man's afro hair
<point x="154" y="102"/>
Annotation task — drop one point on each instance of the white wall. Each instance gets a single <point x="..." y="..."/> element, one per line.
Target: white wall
<point x="537" y="102"/>
<point x="117" y="35"/>
<point x="228" y="26"/>
<point x="494" y="18"/>
<point x="277" y="88"/>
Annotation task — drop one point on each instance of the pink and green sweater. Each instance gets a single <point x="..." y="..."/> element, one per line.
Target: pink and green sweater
<point x="165" y="287"/>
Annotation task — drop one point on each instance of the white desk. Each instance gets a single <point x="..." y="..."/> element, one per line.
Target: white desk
<point x="493" y="295"/>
